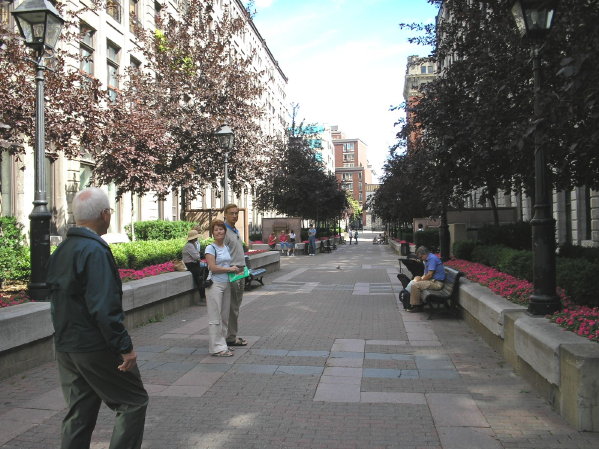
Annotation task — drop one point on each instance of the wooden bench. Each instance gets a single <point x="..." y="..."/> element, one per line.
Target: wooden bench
<point x="447" y="296"/>
<point x="325" y="246"/>
<point x="256" y="274"/>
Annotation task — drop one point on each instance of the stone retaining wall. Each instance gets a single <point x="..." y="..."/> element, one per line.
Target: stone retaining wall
<point x="26" y="329"/>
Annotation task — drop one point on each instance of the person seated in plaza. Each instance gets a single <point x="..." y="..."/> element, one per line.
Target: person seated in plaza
<point x="292" y="238"/>
<point x="193" y="261"/>
<point x="433" y="278"/>
<point x="272" y="240"/>
<point x="284" y="241"/>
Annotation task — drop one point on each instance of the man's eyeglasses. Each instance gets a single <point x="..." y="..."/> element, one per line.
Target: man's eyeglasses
<point x="109" y="209"/>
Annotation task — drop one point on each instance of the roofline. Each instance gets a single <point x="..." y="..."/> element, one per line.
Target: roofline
<point x="262" y="40"/>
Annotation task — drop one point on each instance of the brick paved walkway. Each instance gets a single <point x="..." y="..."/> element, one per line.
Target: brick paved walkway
<point x="332" y="363"/>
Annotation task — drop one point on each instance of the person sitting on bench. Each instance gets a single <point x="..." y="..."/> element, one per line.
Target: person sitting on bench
<point x="433" y="278"/>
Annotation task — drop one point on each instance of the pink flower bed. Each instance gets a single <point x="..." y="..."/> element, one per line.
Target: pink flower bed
<point x="13" y="300"/>
<point x="132" y="275"/>
<point x="255" y="251"/>
<point x="582" y="320"/>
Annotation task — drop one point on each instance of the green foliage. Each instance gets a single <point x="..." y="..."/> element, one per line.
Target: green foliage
<point x="160" y="229"/>
<point x="513" y="235"/>
<point x="255" y="236"/>
<point x="428" y="238"/>
<point x="139" y="254"/>
<point x="14" y="255"/>
<point x="579" y="252"/>
<point x="463" y="249"/>
<point x="577" y="277"/>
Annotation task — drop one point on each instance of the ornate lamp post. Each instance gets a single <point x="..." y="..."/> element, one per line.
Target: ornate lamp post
<point x="534" y="19"/>
<point x="226" y="139"/>
<point x="40" y="25"/>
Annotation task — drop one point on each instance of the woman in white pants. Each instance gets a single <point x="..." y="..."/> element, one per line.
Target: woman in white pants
<point x="218" y="295"/>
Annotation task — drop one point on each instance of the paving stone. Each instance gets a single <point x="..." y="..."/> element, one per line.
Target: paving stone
<point x="347" y="355"/>
<point x="450" y="410"/>
<point x="337" y="371"/>
<point x="468" y="438"/>
<point x="393" y="398"/>
<point x="347" y="363"/>
<point x="305" y="370"/>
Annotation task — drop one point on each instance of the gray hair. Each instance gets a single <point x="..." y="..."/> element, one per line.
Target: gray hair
<point x="88" y="204"/>
<point x="422" y="251"/>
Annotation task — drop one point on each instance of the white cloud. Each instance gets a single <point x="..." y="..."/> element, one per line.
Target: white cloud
<point x="263" y="3"/>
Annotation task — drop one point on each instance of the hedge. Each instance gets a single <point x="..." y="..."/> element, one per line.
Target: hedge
<point x="160" y="229"/>
<point x="513" y="235"/>
<point x="14" y="255"/>
<point x="575" y="276"/>
<point x="428" y="238"/>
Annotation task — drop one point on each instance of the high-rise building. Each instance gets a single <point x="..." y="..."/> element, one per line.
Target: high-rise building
<point x="351" y="166"/>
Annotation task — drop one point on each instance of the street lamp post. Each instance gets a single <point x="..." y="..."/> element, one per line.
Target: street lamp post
<point x="40" y="25"/>
<point x="534" y="19"/>
<point x="226" y="140"/>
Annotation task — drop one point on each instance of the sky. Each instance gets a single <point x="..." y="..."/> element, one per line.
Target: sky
<point x="345" y="61"/>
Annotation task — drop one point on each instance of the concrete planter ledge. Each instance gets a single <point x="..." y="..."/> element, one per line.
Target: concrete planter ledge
<point x="561" y="365"/>
<point x="26" y="329"/>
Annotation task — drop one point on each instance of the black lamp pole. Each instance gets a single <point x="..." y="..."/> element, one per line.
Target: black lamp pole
<point x="534" y="19"/>
<point x="40" y="25"/>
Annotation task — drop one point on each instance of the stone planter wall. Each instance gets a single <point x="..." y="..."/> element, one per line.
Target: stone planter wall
<point x="562" y="366"/>
<point x="26" y="329"/>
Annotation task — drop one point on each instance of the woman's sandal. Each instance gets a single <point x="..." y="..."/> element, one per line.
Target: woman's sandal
<point x="225" y="353"/>
<point x="238" y="342"/>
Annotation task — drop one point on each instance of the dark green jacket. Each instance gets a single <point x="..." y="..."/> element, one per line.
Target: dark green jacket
<point x="87" y="295"/>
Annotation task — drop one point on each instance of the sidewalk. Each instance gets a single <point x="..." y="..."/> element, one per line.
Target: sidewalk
<point x="332" y="363"/>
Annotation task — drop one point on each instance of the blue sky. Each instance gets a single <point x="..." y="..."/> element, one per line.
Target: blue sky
<point x="345" y="60"/>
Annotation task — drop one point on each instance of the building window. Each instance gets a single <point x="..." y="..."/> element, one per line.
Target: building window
<point x="348" y="176"/>
<point x="360" y="175"/>
<point x="360" y="196"/>
<point x="429" y="69"/>
<point x="86" y="48"/>
<point x="360" y="187"/>
<point x="112" y="66"/>
<point x="422" y="69"/>
<point x="85" y="176"/>
<point x="348" y="157"/>
<point x="348" y="164"/>
<point x="134" y="15"/>
<point x="113" y="9"/>
<point x="587" y="215"/>
<point x="348" y="185"/>
<point x="348" y="147"/>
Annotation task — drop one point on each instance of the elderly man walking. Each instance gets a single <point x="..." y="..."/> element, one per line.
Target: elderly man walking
<point x="96" y="361"/>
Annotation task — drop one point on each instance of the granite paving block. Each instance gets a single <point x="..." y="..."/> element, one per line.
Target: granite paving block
<point x="337" y="393"/>
<point x="438" y="374"/>
<point x="18" y="420"/>
<point x="273" y="352"/>
<point x="393" y="398"/>
<point x="153" y="348"/>
<point x="379" y="356"/>
<point x="348" y="355"/>
<point x="387" y="342"/>
<point x="451" y="410"/>
<point x="52" y="400"/>
<point x="348" y="345"/>
<point x="181" y="350"/>
<point x="338" y="371"/>
<point x="381" y="373"/>
<point x="184" y="391"/>
<point x="198" y="377"/>
<point x="305" y="370"/>
<point x="341" y="380"/>
<point x="348" y="363"/>
<point x="468" y="438"/>
<point x="308" y="354"/>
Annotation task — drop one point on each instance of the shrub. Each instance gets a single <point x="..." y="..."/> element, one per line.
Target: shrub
<point x="14" y="255"/>
<point x="577" y="278"/>
<point x="255" y="236"/>
<point x="513" y="235"/>
<point x="463" y="249"/>
<point x="579" y="252"/>
<point x="160" y="229"/>
<point x="428" y="238"/>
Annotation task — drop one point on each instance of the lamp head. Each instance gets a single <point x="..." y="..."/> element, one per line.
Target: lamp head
<point x="39" y="23"/>
<point x="226" y="137"/>
<point x="534" y="18"/>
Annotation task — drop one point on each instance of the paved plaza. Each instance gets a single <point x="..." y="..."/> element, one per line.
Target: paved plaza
<point x="332" y="362"/>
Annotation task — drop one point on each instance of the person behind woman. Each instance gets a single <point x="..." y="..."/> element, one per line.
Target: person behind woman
<point x="283" y="239"/>
<point x="192" y="260"/>
<point x="272" y="240"/>
<point x="219" y="293"/>
<point x="292" y="243"/>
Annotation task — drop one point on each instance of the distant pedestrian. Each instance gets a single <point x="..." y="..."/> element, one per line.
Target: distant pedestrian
<point x="272" y="240"/>
<point x="94" y="352"/>
<point x="356" y="236"/>
<point x="312" y="239"/>
<point x="192" y="259"/>
<point x="351" y="235"/>
<point x="292" y="239"/>
<point x="283" y="240"/>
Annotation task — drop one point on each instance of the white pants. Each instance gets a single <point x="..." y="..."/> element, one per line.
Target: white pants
<point x="218" y="302"/>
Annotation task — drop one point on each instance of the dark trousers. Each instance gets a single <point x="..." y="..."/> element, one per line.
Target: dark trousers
<point x="90" y="378"/>
<point x="198" y="274"/>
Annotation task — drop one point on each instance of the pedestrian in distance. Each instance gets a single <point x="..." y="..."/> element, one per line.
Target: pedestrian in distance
<point x="312" y="239"/>
<point x="94" y="352"/>
<point x="356" y="236"/>
<point x="283" y="240"/>
<point x="351" y="235"/>
<point x="272" y="240"/>
<point x="218" y="302"/>
<point x="237" y="251"/>
<point x="192" y="259"/>
<point x="292" y="239"/>
<point x="432" y="279"/>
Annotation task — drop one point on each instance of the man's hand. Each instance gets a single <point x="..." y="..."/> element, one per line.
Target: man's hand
<point x="417" y="278"/>
<point x="129" y="361"/>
